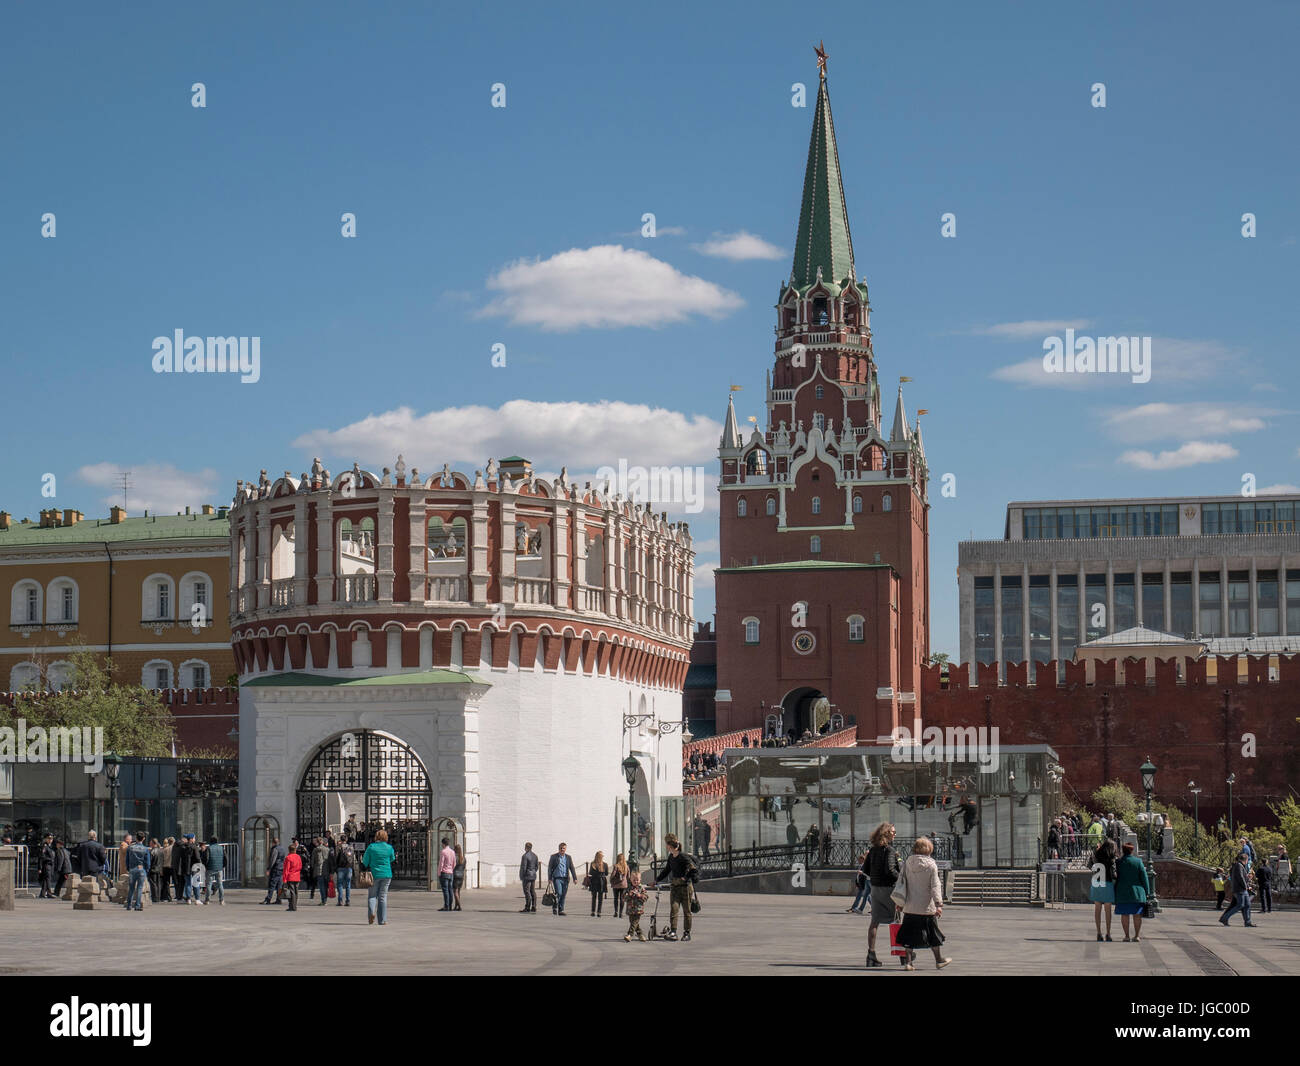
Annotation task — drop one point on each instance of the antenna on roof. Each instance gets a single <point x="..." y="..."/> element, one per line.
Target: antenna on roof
<point x="124" y="479"/>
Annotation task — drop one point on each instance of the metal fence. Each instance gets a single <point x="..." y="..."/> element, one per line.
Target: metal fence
<point x="835" y="855"/>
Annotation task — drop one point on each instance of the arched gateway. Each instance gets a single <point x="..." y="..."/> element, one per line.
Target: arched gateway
<point x="379" y="779"/>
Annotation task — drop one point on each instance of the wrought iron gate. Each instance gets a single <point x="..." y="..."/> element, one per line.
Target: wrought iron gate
<point x="396" y="788"/>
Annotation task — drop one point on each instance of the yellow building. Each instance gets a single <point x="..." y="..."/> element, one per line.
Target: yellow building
<point x="149" y="592"/>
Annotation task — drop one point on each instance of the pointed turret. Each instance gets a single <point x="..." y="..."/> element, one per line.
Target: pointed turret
<point x="730" y="430"/>
<point x="917" y="443"/>
<point x="900" y="433"/>
<point x="823" y="239"/>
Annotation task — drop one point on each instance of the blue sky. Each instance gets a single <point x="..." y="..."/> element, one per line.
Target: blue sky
<point x="226" y="220"/>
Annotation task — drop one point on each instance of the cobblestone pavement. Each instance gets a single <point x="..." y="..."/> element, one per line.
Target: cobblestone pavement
<point x="734" y="934"/>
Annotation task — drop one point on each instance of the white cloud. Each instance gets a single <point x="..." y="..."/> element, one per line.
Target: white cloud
<point x="1031" y="372"/>
<point x="1190" y="454"/>
<point x="606" y="286"/>
<point x="1181" y="421"/>
<point x="156" y="487"/>
<point x="1034" y="327"/>
<point x="737" y="246"/>
<point x="1277" y="490"/>
<point x="1172" y="359"/>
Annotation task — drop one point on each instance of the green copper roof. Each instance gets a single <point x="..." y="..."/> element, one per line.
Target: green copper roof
<point x="423" y="677"/>
<point x="823" y="239"/>
<point x="98" y="530"/>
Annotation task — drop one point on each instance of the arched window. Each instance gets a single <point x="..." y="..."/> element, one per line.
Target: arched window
<point x="817" y="505"/>
<point x="25" y="604"/>
<point x="857" y="629"/>
<point x="887" y="502"/>
<point x="756" y="463"/>
<point x="741" y="507"/>
<point x="819" y="420"/>
<point x="751" y="630"/>
<point x="196" y="599"/>
<point x="59" y="676"/>
<point x="771" y="505"/>
<point x="857" y="504"/>
<point x="61" y="601"/>
<point x="821" y="316"/>
<point x="815" y="544"/>
<point x="157" y="674"/>
<point x="25" y="677"/>
<point x="195" y="674"/>
<point x="157" y="599"/>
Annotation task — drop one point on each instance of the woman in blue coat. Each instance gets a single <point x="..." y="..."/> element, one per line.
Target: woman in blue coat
<point x="1131" y="888"/>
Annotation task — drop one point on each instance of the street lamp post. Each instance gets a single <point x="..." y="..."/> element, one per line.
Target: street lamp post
<point x="1196" y="816"/>
<point x="1232" y="829"/>
<point x="630" y="767"/>
<point x="1148" y="769"/>
<point x="112" y="767"/>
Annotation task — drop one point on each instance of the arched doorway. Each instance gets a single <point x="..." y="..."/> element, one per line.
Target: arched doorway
<point x="381" y="782"/>
<point x="805" y="708"/>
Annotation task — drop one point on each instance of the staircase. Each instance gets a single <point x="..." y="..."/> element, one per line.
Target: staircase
<point x="994" y="888"/>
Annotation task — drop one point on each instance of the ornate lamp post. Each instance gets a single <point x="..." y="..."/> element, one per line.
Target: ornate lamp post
<point x="112" y="767"/>
<point x="1148" y="769"/>
<point x="630" y="767"/>
<point x="1232" y="829"/>
<point x="1195" y="790"/>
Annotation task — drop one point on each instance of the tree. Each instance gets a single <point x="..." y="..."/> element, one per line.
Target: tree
<point x="1117" y="798"/>
<point x="134" y="719"/>
<point x="939" y="658"/>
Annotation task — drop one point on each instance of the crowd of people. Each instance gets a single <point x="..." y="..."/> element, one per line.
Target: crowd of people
<point x="330" y="867"/>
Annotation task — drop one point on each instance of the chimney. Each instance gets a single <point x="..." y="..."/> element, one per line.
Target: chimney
<point x="117" y="515"/>
<point x="5" y="519"/>
<point x="516" y="467"/>
<point x="207" y="509"/>
<point x="223" y="511"/>
<point x="72" y="517"/>
<point x="187" y="510"/>
<point x="48" y="519"/>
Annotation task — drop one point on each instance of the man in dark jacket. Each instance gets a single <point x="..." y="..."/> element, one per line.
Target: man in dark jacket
<point x="47" y="867"/>
<point x="274" y="871"/>
<point x="344" y="863"/>
<point x="1239" y="882"/>
<point x="1264" y="878"/>
<point x="137" y="871"/>
<point x="184" y="855"/>
<point x="528" y="864"/>
<point x="92" y="856"/>
<point x="560" y="871"/>
<point x="681" y="872"/>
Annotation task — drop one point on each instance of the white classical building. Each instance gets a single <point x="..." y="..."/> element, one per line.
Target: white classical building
<point x="459" y="655"/>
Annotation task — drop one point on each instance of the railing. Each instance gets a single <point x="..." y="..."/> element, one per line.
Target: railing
<point x="532" y="590"/>
<point x="357" y="588"/>
<point x="840" y="854"/>
<point x="593" y="599"/>
<point x="282" y="593"/>
<point x="244" y="601"/>
<point x="446" y="589"/>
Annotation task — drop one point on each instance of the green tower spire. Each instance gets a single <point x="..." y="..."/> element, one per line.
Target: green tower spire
<point x="823" y="239"/>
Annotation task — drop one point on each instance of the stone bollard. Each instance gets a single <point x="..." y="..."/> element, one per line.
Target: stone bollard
<point x="70" y="887"/>
<point x="87" y="895"/>
<point x="8" y="869"/>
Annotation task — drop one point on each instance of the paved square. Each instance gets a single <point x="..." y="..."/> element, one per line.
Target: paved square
<point x="735" y="934"/>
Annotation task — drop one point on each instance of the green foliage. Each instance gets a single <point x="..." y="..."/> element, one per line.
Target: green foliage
<point x="135" y="720"/>
<point x="939" y="658"/>
<point x="1118" y="799"/>
<point x="1288" y="817"/>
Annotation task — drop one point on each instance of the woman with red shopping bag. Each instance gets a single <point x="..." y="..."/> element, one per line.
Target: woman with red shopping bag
<point x="919" y="894"/>
<point x="882" y="872"/>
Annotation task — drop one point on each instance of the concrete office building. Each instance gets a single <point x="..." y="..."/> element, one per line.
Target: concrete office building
<point x="1221" y="570"/>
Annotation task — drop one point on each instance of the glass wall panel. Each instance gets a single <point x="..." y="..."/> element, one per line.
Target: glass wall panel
<point x="837" y="772"/>
<point x="1153" y="601"/>
<point x="1013" y="646"/>
<point x="1239" y="603"/>
<point x="789" y="774"/>
<point x="1040" y="620"/>
<point x="744" y="819"/>
<point x="985" y="647"/>
<point x="742" y="775"/>
<point x="1067" y="614"/>
<point x="1211" y="620"/>
<point x="1266" y="597"/>
<point x="787" y="819"/>
<point x="1095" y="620"/>
<point x="1293" y="602"/>
<point x="1182" y="621"/>
<point x="1125" y="603"/>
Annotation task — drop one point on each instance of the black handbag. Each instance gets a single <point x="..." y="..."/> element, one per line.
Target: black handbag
<point x="1147" y="910"/>
<point x="548" y="899"/>
<point x="695" y="901"/>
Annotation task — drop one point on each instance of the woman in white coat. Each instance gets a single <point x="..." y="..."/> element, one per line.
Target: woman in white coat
<point x="919" y="893"/>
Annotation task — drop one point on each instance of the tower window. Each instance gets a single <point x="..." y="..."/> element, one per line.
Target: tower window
<point x="771" y="505"/>
<point x="856" y="629"/>
<point x="821" y="392"/>
<point x="819" y="420"/>
<point x="815" y="545"/>
<point x="817" y="505"/>
<point x="887" y="502"/>
<point x="741" y="507"/>
<point x="857" y="504"/>
<point x="751" y="630"/>
<point x="820" y="314"/>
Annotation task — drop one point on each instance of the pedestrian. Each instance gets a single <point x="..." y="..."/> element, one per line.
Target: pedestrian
<point x="1264" y="878"/>
<point x="1102" y="889"/>
<point x="1248" y="848"/>
<point x="378" y="859"/>
<point x="344" y="862"/>
<point x="216" y="867"/>
<point x="1239" y="883"/>
<point x="920" y="896"/>
<point x="309" y="878"/>
<point x="155" y="870"/>
<point x="62" y="866"/>
<point x="635" y="898"/>
<point x="165" y="879"/>
<point x="618" y="883"/>
<point x="92" y="856"/>
<point x="136" y="865"/>
<point x="863" y="884"/>
<point x="1054" y="839"/>
<point x="597" y="882"/>
<point x="46" y="868"/>
<point x="1131" y="889"/>
<point x="1281" y="867"/>
<point x="883" y="869"/>
<point x="274" y="872"/>
<point x="681" y="872"/>
<point x="181" y="869"/>
<point x="292" y="877"/>
<point x="458" y="874"/>
<point x="1220" y="885"/>
<point x="559" y="872"/>
<point x="528" y="864"/>
<point x="446" y="875"/>
<point x="320" y="868"/>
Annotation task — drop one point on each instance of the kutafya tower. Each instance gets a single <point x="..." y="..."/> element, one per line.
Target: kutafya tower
<point x="823" y="588"/>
